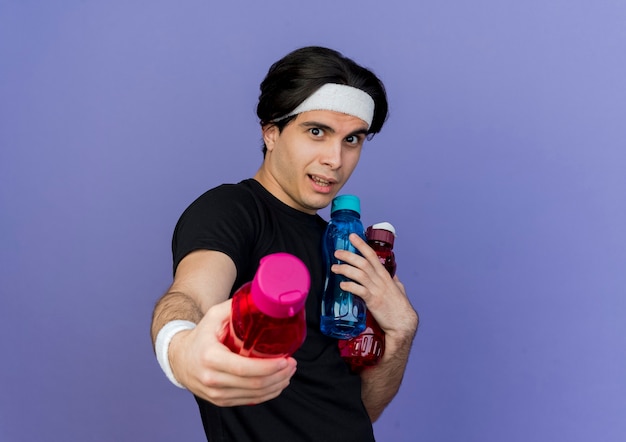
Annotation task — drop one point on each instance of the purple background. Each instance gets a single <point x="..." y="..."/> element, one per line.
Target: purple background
<point x="502" y="166"/>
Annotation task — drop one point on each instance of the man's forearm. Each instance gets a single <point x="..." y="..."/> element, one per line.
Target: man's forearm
<point x="173" y="306"/>
<point x="379" y="384"/>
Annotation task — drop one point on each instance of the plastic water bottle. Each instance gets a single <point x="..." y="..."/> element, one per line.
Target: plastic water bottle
<point x="268" y="315"/>
<point x="343" y="313"/>
<point x="368" y="348"/>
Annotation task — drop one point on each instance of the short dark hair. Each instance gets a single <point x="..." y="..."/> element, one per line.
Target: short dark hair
<point x="292" y="79"/>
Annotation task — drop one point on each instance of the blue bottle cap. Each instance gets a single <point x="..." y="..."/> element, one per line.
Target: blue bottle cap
<point x="346" y="202"/>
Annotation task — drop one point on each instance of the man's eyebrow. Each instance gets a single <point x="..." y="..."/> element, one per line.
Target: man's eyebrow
<point x="362" y="131"/>
<point x="322" y="126"/>
<point x="327" y="128"/>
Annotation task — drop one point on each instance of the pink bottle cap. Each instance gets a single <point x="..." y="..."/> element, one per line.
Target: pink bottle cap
<point x="280" y="285"/>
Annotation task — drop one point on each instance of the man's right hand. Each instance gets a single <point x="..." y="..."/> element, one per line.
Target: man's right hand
<point x="207" y="368"/>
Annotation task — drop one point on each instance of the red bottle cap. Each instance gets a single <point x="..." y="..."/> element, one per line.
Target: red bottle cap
<point x="381" y="232"/>
<point x="280" y="285"/>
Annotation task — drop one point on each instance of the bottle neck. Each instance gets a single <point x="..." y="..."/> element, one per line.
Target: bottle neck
<point x="345" y="213"/>
<point x="380" y="244"/>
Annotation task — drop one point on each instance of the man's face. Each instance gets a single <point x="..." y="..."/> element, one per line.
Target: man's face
<point x="312" y="158"/>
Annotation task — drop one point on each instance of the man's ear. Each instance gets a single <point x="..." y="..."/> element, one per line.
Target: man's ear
<point x="270" y="135"/>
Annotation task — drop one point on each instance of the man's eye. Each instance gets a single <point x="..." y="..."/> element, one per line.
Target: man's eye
<point x="352" y="139"/>
<point x="316" y="131"/>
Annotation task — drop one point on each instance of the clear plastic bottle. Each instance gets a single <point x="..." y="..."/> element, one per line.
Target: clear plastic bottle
<point x="268" y="315"/>
<point x="368" y="348"/>
<point x="343" y="313"/>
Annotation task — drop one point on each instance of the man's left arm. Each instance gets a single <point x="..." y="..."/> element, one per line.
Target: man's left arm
<point x="387" y="301"/>
<point x="380" y="383"/>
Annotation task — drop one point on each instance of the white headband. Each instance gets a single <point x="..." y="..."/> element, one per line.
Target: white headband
<point x="339" y="98"/>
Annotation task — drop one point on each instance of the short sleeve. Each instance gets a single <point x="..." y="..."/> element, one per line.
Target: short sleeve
<point x="221" y="219"/>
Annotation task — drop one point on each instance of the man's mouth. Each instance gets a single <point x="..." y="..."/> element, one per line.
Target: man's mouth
<point x="320" y="181"/>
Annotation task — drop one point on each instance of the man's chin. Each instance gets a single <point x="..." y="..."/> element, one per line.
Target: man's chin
<point x="320" y="203"/>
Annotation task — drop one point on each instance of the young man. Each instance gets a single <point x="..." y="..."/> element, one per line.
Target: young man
<point x="316" y="109"/>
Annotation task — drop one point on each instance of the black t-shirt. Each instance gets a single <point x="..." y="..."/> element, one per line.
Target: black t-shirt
<point x="323" y="400"/>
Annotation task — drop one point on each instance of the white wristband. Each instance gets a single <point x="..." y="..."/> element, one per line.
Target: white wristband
<point x="162" y="345"/>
